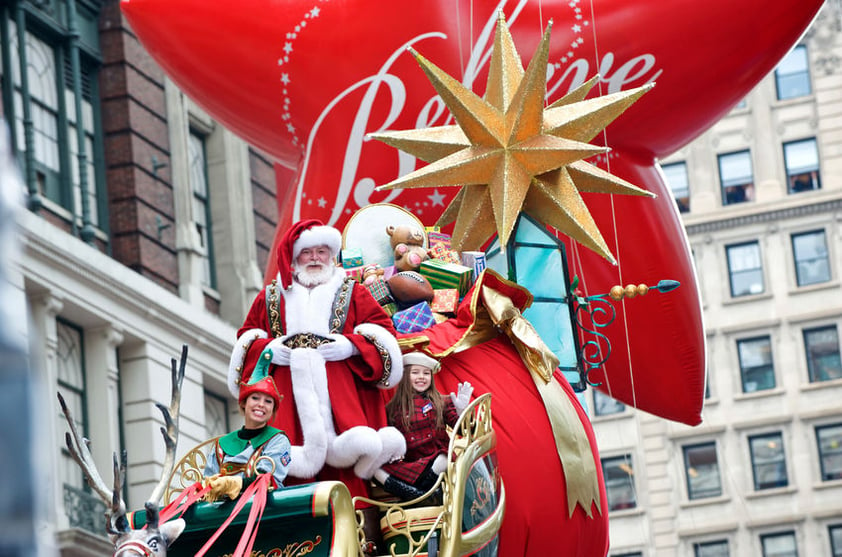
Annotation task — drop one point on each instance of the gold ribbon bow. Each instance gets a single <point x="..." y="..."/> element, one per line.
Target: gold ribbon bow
<point x="574" y="450"/>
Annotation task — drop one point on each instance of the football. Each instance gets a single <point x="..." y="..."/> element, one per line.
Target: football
<point x="409" y="288"/>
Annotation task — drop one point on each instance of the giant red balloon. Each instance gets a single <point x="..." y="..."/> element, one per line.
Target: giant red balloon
<point x="306" y="80"/>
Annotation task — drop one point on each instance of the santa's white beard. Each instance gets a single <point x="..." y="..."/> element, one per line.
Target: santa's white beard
<point x="308" y="277"/>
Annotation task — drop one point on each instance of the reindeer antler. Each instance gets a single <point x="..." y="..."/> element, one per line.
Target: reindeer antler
<point x="79" y="448"/>
<point x="170" y="433"/>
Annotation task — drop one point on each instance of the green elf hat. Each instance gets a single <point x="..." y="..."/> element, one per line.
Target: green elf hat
<point x="260" y="380"/>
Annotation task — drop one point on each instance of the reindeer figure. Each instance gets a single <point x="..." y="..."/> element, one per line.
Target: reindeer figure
<point x="154" y="540"/>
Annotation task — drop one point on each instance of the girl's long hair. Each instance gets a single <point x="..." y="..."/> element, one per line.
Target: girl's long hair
<point x="402" y="408"/>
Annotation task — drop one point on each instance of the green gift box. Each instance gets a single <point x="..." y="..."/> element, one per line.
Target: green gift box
<point x="443" y="275"/>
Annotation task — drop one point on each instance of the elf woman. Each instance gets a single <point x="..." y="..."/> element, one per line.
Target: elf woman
<point x="257" y="448"/>
<point x="420" y="412"/>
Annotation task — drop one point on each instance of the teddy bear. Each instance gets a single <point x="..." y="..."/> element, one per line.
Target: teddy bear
<point x="408" y="245"/>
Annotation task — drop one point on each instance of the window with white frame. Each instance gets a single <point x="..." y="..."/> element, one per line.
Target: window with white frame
<point x="216" y="415"/>
<point x="679" y="184"/>
<point x="835" y="533"/>
<point x="768" y="461"/>
<point x="83" y="508"/>
<point x="745" y="269"/>
<point x="619" y="482"/>
<point x="43" y="103"/>
<point x="605" y="405"/>
<point x="736" y="177"/>
<point x="757" y="371"/>
<point x="201" y="204"/>
<point x="801" y="159"/>
<point x="812" y="261"/>
<point x="715" y="548"/>
<point x="829" y="440"/>
<point x="792" y="76"/>
<point x="780" y="544"/>
<point x="821" y="346"/>
<point x="701" y="467"/>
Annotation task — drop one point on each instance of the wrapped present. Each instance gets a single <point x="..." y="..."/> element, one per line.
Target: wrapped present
<point x="352" y="257"/>
<point x="388" y="272"/>
<point x="380" y="290"/>
<point x="356" y="273"/>
<point x="432" y="229"/>
<point x="390" y="309"/>
<point x="414" y="319"/>
<point x="442" y="252"/>
<point x="474" y="260"/>
<point x="445" y="300"/>
<point x="444" y="275"/>
<point x="434" y="238"/>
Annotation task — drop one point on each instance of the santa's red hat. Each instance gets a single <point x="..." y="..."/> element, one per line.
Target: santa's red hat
<point x="307" y="233"/>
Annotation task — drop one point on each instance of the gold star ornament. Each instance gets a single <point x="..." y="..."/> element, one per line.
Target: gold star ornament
<point x="510" y="154"/>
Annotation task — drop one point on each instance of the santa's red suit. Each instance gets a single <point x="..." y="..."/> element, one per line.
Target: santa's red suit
<point x="332" y="411"/>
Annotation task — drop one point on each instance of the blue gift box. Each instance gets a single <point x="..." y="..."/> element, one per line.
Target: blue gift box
<point x="352" y="257"/>
<point x="414" y="319"/>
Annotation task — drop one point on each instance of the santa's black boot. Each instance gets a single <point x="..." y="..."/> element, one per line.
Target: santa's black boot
<point x="402" y="489"/>
<point x="371" y="529"/>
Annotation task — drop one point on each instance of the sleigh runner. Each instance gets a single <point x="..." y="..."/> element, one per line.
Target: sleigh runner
<point x="319" y="518"/>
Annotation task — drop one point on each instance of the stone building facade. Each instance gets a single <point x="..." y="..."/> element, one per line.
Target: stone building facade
<point x="761" y="199"/>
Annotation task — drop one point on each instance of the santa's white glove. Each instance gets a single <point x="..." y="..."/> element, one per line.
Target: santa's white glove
<point x="280" y="351"/>
<point x="462" y="397"/>
<point x="340" y="349"/>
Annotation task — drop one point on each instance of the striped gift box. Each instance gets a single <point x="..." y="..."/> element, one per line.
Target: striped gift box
<point x="434" y="238"/>
<point x="475" y="260"/>
<point x="444" y="275"/>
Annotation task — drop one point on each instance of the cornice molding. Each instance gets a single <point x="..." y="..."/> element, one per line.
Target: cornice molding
<point x="761" y="217"/>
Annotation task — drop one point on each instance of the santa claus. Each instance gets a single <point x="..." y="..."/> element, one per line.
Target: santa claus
<point x="333" y="347"/>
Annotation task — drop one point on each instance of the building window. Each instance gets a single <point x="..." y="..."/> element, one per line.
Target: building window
<point x="216" y="415"/>
<point x="792" y="76"/>
<point x="812" y="263"/>
<point x="768" y="461"/>
<point x="604" y="405"/>
<point x="702" y="469"/>
<point x="821" y="345"/>
<point x="736" y="177"/>
<point x="835" y="532"/>
<point x="756" y="369"/>
<point x="745" y="269"/>
<point x="781" y="544"/>
<point x="676" y="175"/>
<point x="718" y="548"/>
<point x="619" y="482"/>
<point x="802" y="165"/>
<point x="201" y="204"/>
<point x="84" y="509"/>
<point x="48" y="95"/>
<point x="829" y="440"/>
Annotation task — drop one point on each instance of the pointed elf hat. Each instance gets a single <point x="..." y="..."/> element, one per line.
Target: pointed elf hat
<point x="307" y="233"/>
<point x="260" y="380"/>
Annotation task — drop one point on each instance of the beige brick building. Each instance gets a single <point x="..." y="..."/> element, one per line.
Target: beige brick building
<point x="761" y="199"/>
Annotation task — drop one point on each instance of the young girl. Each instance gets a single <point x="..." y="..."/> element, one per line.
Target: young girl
<point x="421" y="414"/>
<point x="257" y="448"/>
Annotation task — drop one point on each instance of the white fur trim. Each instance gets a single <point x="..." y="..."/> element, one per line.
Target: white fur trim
<point x="391" y="344"/>
<point x="309" y="458"/>
<point x="308" y="310"/>
<point x="393" y="446"/>
<point x="353" y="446"/>
<point x="318" y="236"/>
<point x="237" y="355"/>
